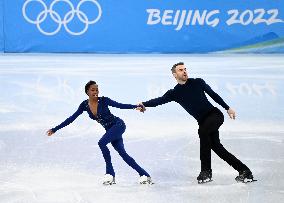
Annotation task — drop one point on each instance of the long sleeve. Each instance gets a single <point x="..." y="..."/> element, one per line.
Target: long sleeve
<point x="119" y="105"/>
<point x="70" y="119"/>
<point x="167" y="97"/>
<point x="214" y="95"/>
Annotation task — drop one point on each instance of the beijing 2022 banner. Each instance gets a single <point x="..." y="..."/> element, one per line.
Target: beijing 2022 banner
<point x="141" y="26"/>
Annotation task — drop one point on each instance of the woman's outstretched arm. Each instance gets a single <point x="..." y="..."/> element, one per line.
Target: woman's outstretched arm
<point x="113" y="103"/>
<point x="67" y="121"/>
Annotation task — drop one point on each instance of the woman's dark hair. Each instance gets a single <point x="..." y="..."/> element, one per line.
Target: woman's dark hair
<point x="87" y="86"/>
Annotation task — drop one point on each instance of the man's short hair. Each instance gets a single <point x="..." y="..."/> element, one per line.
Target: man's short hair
<point x="173" y="69"/>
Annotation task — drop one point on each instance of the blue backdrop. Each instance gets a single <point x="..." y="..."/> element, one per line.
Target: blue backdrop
<point x="107" y="26"/>
<point x="1" y="26"/>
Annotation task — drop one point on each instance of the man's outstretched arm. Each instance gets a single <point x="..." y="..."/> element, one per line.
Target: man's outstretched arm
<point x="167" y="97"/>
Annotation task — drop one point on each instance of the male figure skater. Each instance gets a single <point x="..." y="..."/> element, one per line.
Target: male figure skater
<point x="190" y="94"/>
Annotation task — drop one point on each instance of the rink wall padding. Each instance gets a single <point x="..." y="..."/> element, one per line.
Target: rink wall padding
<point x="107" y="26"/>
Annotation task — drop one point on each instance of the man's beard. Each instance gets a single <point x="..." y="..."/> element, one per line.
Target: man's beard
<point x="183" y="78"/>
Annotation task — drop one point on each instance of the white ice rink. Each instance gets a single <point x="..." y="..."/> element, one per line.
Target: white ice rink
<point x="40" y="91"/>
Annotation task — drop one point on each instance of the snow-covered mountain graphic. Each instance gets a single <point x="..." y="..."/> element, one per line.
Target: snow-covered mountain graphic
<point x="267" y="43"/>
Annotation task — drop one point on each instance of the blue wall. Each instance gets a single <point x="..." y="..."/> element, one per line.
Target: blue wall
<point x="143" y="26"/>
<point x="1" y="27"/>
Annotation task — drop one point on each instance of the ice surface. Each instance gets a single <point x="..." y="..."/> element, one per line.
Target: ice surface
<point x="40" y="91"/>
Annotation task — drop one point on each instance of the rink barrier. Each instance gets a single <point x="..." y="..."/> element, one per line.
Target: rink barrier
<point x="98" y="26"/>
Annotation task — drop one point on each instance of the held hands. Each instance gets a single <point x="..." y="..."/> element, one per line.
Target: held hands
<point x="141" y="107"/>
<point x="231" y="113"/>
<point x="49" y="132"/>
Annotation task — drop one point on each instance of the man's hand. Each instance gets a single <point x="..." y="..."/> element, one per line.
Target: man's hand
<point x="231" y="113"/>
<point x="141" y="107"/>
<point x="49" y="132"/>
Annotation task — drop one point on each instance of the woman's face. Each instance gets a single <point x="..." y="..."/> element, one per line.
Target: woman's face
<point x="93" y="91"/>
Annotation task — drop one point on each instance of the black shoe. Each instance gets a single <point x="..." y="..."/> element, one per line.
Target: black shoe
<point x="245" y="176"/>
<point x="205" y="176"/>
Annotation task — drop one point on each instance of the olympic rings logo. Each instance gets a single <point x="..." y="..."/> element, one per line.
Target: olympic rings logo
<point x="41" y="17"/>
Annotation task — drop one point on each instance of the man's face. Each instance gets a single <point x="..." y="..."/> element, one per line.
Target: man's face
<point x="181" y="73"/>
<point x="93" y="91"/>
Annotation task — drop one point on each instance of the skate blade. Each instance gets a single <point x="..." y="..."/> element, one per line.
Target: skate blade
<point x="249" y="180"/>
<point x="246" y="181"/>
<point x="109" y="183"/>
<point x="204" y="181"/>
<point x="147" y="183"/>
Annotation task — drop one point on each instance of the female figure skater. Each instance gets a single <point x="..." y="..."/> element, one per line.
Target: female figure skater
<point x="97" y="108"/>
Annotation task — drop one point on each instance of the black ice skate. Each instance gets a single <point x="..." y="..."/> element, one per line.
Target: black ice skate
<point x="205" y="176"/>
<point x="245" y="177"/>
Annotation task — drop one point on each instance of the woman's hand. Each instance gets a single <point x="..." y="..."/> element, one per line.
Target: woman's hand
<point x="49" y="132"/>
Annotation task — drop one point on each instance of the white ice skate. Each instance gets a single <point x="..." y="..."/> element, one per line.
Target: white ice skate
<point x="145" y="180"/>
<point x="108" y="179"/>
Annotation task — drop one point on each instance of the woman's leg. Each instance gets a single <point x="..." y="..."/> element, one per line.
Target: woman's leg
<point x="114" y="133"/>
<point x="119" y="147"/>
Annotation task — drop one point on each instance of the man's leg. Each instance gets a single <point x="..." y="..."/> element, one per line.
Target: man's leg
<point x="210" y="125"/>
<point x="220" y="150"/>
<point x="245" y="175"/>
<point x="205" y="149"/>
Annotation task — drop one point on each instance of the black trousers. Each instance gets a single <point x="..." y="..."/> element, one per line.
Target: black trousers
<point x="209" y="139"/>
